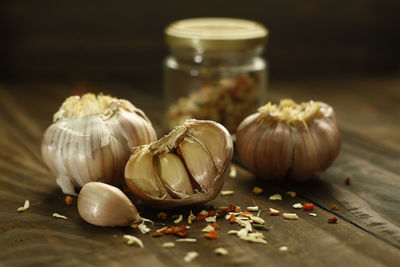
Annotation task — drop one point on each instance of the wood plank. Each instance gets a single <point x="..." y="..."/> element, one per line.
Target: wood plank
<point x="36" y="238"/>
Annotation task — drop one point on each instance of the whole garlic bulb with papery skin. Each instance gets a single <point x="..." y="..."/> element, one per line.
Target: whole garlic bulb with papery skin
<point x="105" y="205"/>
<point x="289" y="140"/>
<point x="91" y="140"/>
<point x="187" y="166"/>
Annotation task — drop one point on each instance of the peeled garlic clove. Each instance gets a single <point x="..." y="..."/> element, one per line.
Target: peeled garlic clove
<point x="190" y="164"/>
<point x="174" y="175"/>
<point x="91" y="138"/>
<point x="143" y="178"/>
<point x="289" y="140"/>
<point x="105" y="205"/>
<point x="198" y="161"/>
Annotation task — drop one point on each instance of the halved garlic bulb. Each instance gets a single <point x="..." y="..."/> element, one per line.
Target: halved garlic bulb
<point x="289" y="140"/>
<point x="91" y="138"/>
<point x="187" y="166"/>
<point x="105" y="205"/>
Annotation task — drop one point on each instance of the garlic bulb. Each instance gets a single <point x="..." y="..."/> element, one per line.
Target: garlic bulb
<point x="187" y="166"/>
<point x="289" y="140"/>
<point x="90" y="140"/>
<point x="105" y="205"/>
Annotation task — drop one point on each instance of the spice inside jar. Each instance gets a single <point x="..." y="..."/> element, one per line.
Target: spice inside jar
<point x="214" y="70"/>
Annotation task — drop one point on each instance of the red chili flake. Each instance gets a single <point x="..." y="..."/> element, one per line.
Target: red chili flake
<point x="273" y="213"/>
<point x="175" y="230"/>
<point x="232" y="219"/>
<point x="246" y="214"/>
<point x="68" y="200"/>
<point x="221" y="212"/>
<point x="211" y="213"/>
<point x="158" y="234"/>
<point x="335" y="207"/>
<point x="332" y="220"/>
<point x="347" y="181"/>
<point x="211" y="235"/>
<point x="215" y="225"/>
<point x="257" y="190"/>
<point x="201" y="216"/>
<point x="231" y="208"/>
<point x="308" y="206"/>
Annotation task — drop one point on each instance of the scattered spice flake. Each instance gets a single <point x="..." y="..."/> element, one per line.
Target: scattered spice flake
<point x="68" y="200"/>
<point x="168" y="245"/>
<point x="211" y="213"/>
<point x="290" y="216"/>
<point x="273" y="212"/>
<point x="227" y="192"/>
<point x="190" y="256"/>
<point x="211" y="219"/>
<point x="308" y="206"/>
<point x="202" y="215"/>
<point x="157" y="234"/>
<point x="215" y="225"/>
<point x="130" y="240"/>
<point x="254" y="208"/>
<point x="232" y="171"/>
<point x="291" y="193"/>
<point x="161" y="229"/>
<point x="57" y="215"/>
<point x="283" y="248"/>
<point x="134" y="226"/>
<point x="257" y="190"/>
<point x="232" y="232"/>
<point x="298" y="206"/>
<point x="332" y="220"/>
<point x="335" y="207"/>
<point x="275" y="197"/>
<point x="174" y="230"/>
<point x="244" y="224"/>
<point x="312" y="214"/>
<point x="260" y="227"/>
<point x="191" y="217"/>
<point x="162" y="215"/>
<point x="257" y="220"/>
<point x="232" y="218"/>
<point x="189" y="240"/>
<point x="211" y="235"/>
<point x="25" y="207"/>
<point x="347" y="181"/>
<point x="246" y="214"/>
<point x="252" y="237"/>
<point x="143" y="228"/>
<point x="208" y="228"/>
<point x="221" y="251"/>
<point x="180" y="218"/>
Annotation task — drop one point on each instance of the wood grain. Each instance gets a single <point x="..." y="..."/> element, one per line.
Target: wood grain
<point x="367" y="232"/>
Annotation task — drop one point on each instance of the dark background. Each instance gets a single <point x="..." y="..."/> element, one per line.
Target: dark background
<point x="122" y="40"/>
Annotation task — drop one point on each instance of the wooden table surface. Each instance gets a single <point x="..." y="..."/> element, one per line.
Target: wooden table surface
<point x="368" y="228"/>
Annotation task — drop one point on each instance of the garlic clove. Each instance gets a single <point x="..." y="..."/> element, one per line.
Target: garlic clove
<point x="198" y="161"/>
<point x="105" y="205"/>
<point x="210" y="135"/>
<point x="174" y="175"/>
<point x="142" y="177"/>
<point x="275" y="155"/>
<point x="305" y="155"/>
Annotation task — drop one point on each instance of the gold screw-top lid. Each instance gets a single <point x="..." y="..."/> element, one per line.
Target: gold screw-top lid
<point x="215" y="33"/>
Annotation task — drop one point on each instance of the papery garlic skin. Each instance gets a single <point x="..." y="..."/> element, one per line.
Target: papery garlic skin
<point x="105" y="205"/>
<point x="91" y="140"/>
<point x="289" y="140"/>
<point x="199" y="152"/>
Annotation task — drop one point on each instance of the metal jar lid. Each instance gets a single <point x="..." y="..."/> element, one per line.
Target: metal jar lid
<point x="215" y="33"/>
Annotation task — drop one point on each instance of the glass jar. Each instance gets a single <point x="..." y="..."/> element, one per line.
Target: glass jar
<point x="214" y="70"/>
